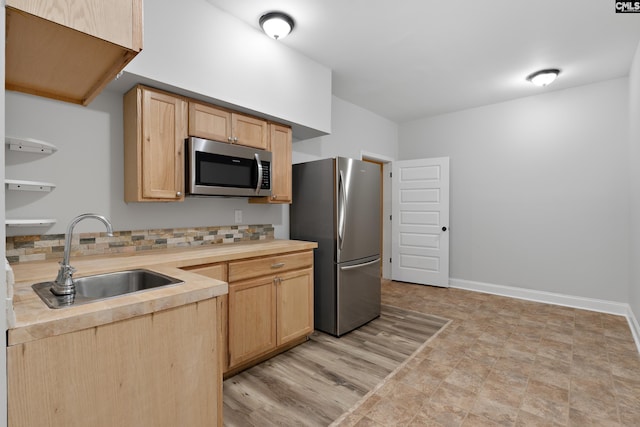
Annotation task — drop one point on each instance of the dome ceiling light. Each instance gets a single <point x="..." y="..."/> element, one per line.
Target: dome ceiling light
<point x="276" y="25"/>
<point x="543" y="77"/>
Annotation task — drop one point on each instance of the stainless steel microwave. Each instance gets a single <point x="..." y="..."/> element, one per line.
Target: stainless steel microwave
<point x="221" y="169"/>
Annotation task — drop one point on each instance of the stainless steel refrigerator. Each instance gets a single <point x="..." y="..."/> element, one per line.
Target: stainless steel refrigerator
<point x="336" y="202"/>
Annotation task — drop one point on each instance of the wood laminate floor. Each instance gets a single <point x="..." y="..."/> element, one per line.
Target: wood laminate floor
<point x="314" y="383"/>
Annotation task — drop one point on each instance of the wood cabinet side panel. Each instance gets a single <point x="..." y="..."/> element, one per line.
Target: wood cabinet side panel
<point x="223" y="332"/>
<point x="218" y="272"/>
<point x="34" y="48"/>
<point x="182" y="131"/>
<point x="159" y="369"/>
<point x="113" y="21"/>
<point x="132" y="121"/>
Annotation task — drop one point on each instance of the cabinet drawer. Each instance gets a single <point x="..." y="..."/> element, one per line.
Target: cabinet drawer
<point x="240" y="270"/>
<point x="214" y="271"/>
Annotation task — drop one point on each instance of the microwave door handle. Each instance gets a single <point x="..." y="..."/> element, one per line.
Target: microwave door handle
<point x="259" y="163"/>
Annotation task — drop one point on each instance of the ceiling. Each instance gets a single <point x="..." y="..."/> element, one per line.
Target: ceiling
<point x="407" y="59"/>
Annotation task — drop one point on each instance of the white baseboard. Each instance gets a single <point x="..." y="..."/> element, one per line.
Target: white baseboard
<point x="618" y="308"/>
<point x="635" y="327"/>
<point x="602" y="306"/>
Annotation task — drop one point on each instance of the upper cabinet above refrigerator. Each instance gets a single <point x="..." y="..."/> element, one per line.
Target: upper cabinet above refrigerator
<point x="69" y="51"/>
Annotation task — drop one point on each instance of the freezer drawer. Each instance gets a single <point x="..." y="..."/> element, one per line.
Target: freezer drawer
<point x="358" y="293"/>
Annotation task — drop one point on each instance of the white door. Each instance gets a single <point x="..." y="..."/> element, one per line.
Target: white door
<point x="420" y="221"/>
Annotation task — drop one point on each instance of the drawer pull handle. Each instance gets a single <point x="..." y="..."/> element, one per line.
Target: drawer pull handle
<point x="277" y="265"/>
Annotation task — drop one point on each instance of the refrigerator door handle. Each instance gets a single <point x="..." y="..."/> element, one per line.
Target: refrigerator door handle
<point x="342" y="210"/>
<point x="351" y="267"/>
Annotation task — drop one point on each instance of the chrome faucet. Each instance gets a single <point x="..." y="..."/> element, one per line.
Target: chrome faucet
<point x="63" y="285"/>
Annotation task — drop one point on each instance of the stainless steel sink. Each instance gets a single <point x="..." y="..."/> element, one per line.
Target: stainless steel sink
<point x="103" y="286"/>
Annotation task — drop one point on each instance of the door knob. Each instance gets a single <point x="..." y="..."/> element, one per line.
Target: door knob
<point x="444" y="228"/>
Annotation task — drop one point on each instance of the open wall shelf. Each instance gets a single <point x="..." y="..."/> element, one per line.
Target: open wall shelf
<point x="29" y="222"/>
<point x="30" y="145"/>
<point x="22" y="185"/>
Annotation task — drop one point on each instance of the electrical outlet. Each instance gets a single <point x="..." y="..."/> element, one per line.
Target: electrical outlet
<point x="238" y="214"/>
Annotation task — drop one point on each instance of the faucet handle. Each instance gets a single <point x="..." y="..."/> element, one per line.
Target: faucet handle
<point x="63" y="285"/>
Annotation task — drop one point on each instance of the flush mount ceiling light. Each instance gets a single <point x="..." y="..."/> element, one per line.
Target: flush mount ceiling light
<point x="543" y="77"/>
<point x="276" y="25"/>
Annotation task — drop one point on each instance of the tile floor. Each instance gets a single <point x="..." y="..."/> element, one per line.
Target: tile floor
<point x="508" y="362"/>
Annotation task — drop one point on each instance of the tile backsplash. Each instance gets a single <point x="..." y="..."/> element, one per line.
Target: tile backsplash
<point x="51" y="246"/>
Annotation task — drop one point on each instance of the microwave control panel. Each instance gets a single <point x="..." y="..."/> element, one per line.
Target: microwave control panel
<point x="266" y="175"/>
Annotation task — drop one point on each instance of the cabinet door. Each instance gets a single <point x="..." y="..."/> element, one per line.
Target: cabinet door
<point x="280" y="146"/>
<point x="252" y="319"/>
<point x="206" y="121"/>
<point x="249" y="131"/>
<point x="295" y="305"/>
<point x="164" y="120"/>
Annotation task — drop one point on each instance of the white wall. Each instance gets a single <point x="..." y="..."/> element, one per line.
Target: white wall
<point x="88" y="167"/>
<point x="89" y="176"/>
<point x="357" y="133"/>
<point x="354" y="130"/>
<point x="634" y="169"/>
<point x="539" y="189"/>
<point x="192" y="45"/>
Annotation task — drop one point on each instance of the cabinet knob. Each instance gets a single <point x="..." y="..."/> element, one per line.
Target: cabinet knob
<point x="179" y="194"/>
<point x="230" y="139"/>
<point x="235" y="139"/>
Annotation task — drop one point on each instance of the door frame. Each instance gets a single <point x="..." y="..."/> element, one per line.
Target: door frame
<point x="387" y="163"/>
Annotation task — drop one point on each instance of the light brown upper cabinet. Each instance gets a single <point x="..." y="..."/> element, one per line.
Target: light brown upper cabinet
<point x="280" y="139"/>
<point x="218" y="124"/>
<point x="249" y="131"/>
<point x="69" y="50"/>
<point x="209" y="122"/>
<point x="155" y="127"/>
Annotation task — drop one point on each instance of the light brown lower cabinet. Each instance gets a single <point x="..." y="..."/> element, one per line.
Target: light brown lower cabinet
<point x="269" y="307"/>
<point x="252" y="319"/>
<point x="155" y="370"/>
<point x="269" y="312"/>
<point x="294" y="305"/>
